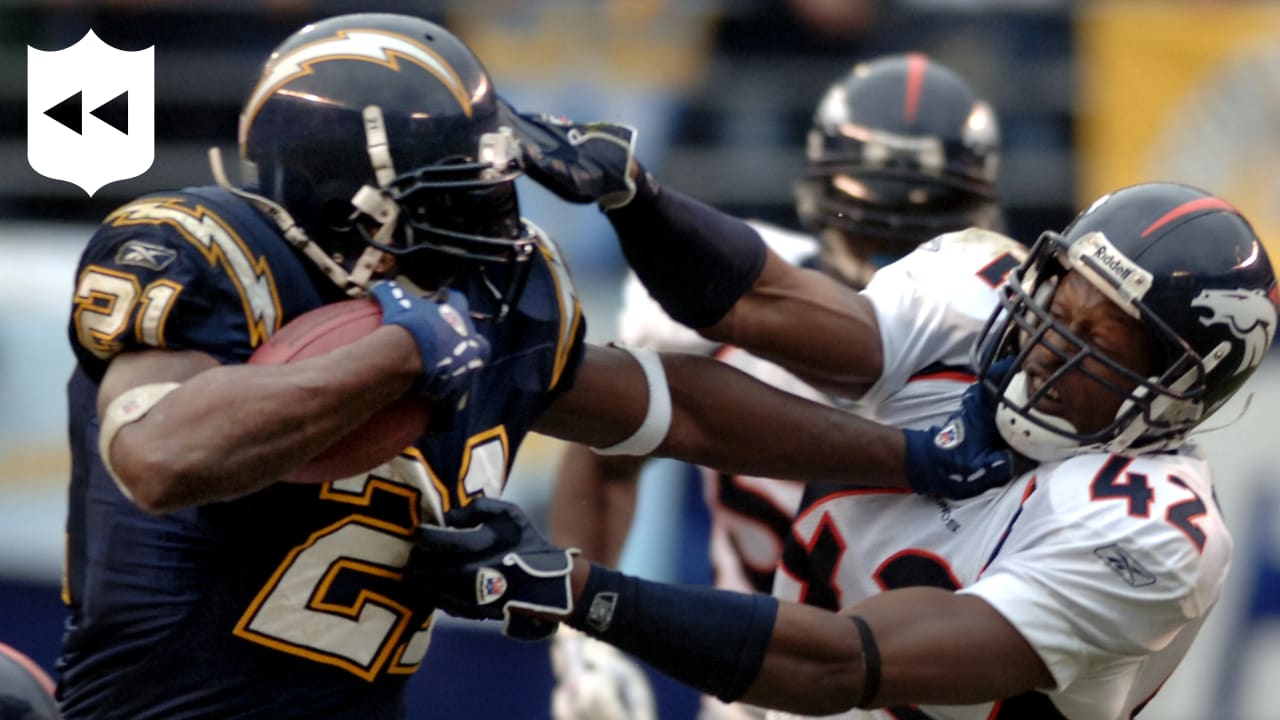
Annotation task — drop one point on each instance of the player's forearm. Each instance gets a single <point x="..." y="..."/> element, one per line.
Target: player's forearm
<point x="907" y="646"/>
<point x="816" y="327"/>
<point x="234" y="429"/>
<point x="731" y="645"/>
<point x="725" y="419"/>
<point x="814" y="665"/>
<point x="712" y="272"/>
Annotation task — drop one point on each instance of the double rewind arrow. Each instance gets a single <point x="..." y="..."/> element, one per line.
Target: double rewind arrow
<point x="114" y="112"/>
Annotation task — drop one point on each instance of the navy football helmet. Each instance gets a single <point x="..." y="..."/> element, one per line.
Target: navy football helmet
<point x="26" y="692"/>
<point x="1182" y="262"/>
<point x="379" y="135"/>
<point x="900" y="150"/>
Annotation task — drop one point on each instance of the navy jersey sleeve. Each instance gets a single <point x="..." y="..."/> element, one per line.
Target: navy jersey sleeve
<point x="551" y="301"/>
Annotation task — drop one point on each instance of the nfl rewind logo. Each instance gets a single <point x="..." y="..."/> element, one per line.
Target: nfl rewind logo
<point x="90" y="113"/>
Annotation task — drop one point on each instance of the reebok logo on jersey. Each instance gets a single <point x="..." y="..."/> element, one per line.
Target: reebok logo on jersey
<point x="152" y="257"/>
<point x="946" y="516"/>
<point x="1125" y="565"/>
<point x="490" y="585"/>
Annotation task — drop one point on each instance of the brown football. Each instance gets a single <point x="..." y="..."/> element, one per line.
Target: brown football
<point x="384" y="435"/>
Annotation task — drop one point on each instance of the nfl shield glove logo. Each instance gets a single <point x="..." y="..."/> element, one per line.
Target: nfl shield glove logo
<point x="950" y="436"/>
<point x="90" y="113"/>
<point x="490" y="585"/>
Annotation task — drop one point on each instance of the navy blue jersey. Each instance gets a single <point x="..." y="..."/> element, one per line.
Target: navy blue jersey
<point x="290" y="602"/>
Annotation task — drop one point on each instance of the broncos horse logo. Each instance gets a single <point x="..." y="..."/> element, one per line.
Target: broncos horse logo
<point x="1249" y="314"/>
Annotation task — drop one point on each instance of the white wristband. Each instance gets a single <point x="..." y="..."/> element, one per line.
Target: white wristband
<point x="129" y="406"/>
<point x="657" y="419"/>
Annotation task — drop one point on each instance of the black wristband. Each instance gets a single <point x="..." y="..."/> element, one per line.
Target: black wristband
<point x="712" y="640"/>
<point x="870" y="662"/>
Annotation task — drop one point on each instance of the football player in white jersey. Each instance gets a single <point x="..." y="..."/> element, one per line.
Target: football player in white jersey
<point x="1072" y="592"/>
<point x="906" y="105"/>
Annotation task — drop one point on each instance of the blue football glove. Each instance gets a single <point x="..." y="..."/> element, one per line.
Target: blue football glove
<point x="452" y="351"/>
<point x="965" y="456"/>
<point x="580" y="162"/>
<point x="489" y="560"/>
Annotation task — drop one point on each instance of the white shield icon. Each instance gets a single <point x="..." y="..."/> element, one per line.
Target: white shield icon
<point x="90" y="113"/>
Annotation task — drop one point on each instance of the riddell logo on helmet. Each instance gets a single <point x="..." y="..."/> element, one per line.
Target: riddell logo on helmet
<point x="1098" y="255"/>
<point x="1119" y="267"/>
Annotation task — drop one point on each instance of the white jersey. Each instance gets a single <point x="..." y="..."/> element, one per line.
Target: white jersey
<point x="1106" y="565"/>
<point x="930" y="306"/>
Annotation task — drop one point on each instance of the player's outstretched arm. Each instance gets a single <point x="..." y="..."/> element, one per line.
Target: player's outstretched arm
<point x="915" y="645"/>
<point x="180" y="429"/>
<point x="708" y="270"/>
<point x="702" y="411"/>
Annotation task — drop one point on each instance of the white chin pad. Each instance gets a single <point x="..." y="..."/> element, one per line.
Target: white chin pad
<point x="1033" y="439"/>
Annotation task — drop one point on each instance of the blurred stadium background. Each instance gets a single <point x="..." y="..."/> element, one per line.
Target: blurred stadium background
<point x="1091" y="96"/>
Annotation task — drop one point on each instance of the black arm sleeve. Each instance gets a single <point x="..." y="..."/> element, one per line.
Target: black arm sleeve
<point x="695" y="260"/>
<point x="712" y="640"/>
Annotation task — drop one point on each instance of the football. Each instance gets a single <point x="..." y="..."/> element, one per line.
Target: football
<point x="387" y="432"/>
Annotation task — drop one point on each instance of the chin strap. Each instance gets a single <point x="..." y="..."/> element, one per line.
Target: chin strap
<point x="374" y="202"/>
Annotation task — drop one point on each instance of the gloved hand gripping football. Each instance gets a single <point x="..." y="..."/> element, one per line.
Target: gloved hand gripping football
<point x="451" y="348"/>
<point x="579" y="162"/>
<point x="490" y="560"/>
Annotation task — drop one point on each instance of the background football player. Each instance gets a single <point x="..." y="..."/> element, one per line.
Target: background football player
<point x="1074" y="591"/>
<point x="901" y="150"/>
<point x="198" y="584"/>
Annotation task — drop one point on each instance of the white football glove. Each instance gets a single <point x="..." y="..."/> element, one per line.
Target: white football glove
<point x="595" y="681"/>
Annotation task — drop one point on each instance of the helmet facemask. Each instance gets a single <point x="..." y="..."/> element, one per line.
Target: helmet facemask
<point x="1154" y="411"/>
<point x="450" y="218"/>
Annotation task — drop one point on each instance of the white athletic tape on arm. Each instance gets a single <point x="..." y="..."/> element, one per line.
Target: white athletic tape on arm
<point x="129" y="406"/>
<point x="657" y="419"/>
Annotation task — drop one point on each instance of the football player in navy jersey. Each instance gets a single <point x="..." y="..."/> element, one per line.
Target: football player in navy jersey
<point x="867" y="198"/>
<point x="1072" y="592"/>
<point x="381" y="166"/>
